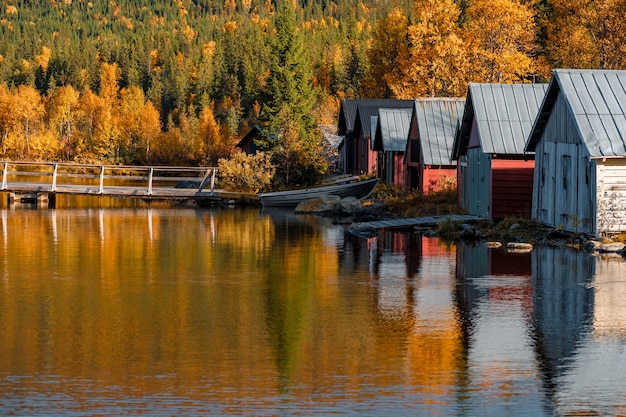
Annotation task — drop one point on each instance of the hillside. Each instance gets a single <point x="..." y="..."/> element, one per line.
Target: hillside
<point x="133" y="70"/>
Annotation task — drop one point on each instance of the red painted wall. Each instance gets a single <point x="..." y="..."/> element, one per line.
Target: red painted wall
<point x="511" y="188"/>
<point x="372" y="164"/>
<point x="399" y="168"/>
<point x="365" y="156"/>
<point x="434" y="175"/>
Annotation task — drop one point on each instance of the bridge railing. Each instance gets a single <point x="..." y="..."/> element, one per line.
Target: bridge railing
<point x="107" y="175"/>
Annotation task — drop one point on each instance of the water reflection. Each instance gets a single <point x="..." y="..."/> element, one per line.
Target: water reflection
<point x="233" y="311"/>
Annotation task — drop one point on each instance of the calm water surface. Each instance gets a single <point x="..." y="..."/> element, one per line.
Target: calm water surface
<point x="176" y="312"/>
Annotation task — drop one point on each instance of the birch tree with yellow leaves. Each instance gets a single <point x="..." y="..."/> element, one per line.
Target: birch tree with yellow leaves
<point x="586" y="33"/>
<point x="436" y="61"/>
<point x="501" y="40"/>
<point x="389" y="41"/>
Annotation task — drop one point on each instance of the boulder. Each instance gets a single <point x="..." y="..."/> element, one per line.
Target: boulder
<point x="321" y="205"/>
<point x="350" y="205"/>
<point x="591" y="245"/>
<point x="470" y="233"/>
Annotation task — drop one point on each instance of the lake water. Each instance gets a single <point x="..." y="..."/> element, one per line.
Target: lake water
<point x="185" y="311"/>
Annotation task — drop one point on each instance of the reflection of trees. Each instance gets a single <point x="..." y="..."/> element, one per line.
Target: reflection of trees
<point x="298" y="260"/>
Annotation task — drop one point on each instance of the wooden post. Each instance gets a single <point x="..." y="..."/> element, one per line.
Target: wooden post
<point x="213" y="180"/>
<point x="204" y="180"/>
<point x="54" y="177"/>
<point x="101" y="189"/>
<point x="150" y="174"/>
<point x="4" y="175"/>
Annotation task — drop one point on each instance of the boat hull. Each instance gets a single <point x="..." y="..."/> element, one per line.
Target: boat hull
<point x="359" y="190"/>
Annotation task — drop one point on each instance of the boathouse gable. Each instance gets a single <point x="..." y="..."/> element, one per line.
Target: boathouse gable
<point x="579" y="139"/>
<point x="495" y="174"/>
<point x="429" y="145"/>
<point x="355" y="125"/>
<point x="247" y="143"/>
<point x="390" y="143"/>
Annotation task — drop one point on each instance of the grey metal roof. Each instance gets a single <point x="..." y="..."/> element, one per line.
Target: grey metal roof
<point x="348" y="110"/>
<point x="504" y="115"/>
<point x="373" y="127"/>
<point x="436" y="123"/>
<point x="596" y="100"/>
<point x="364" y="112"/>
<point x="392" y="130"/>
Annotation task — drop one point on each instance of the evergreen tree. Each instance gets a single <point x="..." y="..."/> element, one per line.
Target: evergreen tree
<point x="291" y="97"/>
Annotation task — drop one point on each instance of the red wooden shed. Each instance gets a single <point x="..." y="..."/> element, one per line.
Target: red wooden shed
<point x="495" y="175"/>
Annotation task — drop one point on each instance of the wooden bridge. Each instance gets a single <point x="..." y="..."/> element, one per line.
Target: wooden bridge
<point x="42" y="181"/>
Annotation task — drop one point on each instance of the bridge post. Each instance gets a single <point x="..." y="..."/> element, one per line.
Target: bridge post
<point x="101" y="189"/>
<point x="150" y="174"/>
<point x="54" y="177"/>
<point x="213" y="180"/>
<point x="4" y="175"/>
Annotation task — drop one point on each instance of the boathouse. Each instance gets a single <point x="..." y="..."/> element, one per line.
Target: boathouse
<point x="247" y="144"/>
<point x="354" y="124"/>
<point x="429" y="146"/>
<point x="392" y="130"/>
<point x="579" y="140"/>
<point x="495" y="174"/>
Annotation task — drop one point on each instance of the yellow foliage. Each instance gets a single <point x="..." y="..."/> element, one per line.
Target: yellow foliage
<point x="435" y="64"/>
<point x="246" y="173"/>
<point x="388" y="43"/>
<point x="501" y="41"/>
<point x="44" y="146"/>
<point x="150" y="127"/>
<point x="43" y="58"/>
<point x="587" y="34"/>
<point x="189" y="33"/>
<point x="230" y="26"/>
<point x="208" y="50"/>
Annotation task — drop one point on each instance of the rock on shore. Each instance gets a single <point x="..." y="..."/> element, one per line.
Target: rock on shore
<point x="329" y="205"/>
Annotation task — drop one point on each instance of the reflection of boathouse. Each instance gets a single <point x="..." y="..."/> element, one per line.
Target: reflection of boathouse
<point x="562" y="300"/>
<point x="580" y="316"/>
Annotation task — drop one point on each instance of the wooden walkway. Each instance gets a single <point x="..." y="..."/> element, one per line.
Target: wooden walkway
<point x="35" y="180"/>
<point x="412" y="222"/>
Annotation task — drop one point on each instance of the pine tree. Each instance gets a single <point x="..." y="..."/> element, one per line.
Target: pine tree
<point x="291" y="97"/>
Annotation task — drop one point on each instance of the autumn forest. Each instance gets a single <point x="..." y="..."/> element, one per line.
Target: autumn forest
<point x="180" y="82"/>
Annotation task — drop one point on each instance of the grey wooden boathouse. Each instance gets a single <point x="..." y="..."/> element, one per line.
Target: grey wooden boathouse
<point x="579" y="140"/>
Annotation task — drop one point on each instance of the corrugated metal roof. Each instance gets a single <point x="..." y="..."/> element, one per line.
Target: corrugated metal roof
<point x="348" y="110"/>
<point x="597" y="102"/>
<point x="436" y="123"/>
<point x="365" y="111"/>
<point x="373" y="127"/>
<point x="392" y="130"/>
<point x="504" y="116"/>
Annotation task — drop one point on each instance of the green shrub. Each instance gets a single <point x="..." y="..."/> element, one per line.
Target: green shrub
<point x="246" y="173"/>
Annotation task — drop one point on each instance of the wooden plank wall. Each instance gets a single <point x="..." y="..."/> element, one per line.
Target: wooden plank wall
<point x="461" y="181"/>
<point x="398" y="169"/>
<point x="479" y="183"/>
<point x="611" y="196"/>
<point x="512" y="188"/>
<point x="564" y="180"/>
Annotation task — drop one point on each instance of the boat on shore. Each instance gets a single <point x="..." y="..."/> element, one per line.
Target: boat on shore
<point x="342" y="188"/>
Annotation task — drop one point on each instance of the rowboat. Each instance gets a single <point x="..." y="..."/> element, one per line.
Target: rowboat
<point x="358" y="189"/>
